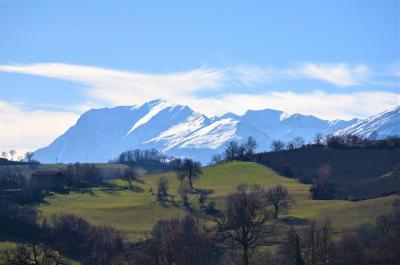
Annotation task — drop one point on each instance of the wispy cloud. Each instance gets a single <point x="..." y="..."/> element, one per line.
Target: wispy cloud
<point x="124" y="87"/>
<point x="340" y="75"/>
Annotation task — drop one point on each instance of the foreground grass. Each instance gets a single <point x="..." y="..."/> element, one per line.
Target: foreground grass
<point x="135" y="212"/>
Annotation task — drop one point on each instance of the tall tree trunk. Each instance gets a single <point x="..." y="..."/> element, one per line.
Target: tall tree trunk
<point x="246" y="256"/>
<point x="190" y="182"/>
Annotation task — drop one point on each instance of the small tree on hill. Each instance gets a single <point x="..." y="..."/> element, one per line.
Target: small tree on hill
<point x="28" y="156"/>
<point x="279" y="198"/>
<point x="162" y="188"/>
<point x="277" y="145"/>
<point x="322" y="186"/>
<point x="250" y="146"/>
<point x="202" y="199"/>
<point x="12" y="153"/>
<point x="319" y="139"/>
<point x="298" y="142"/>
<point x="188" y="169"/>
<point x="183" y="191"/>
<point x="130" y="174"/>
<point x="232" y="151"/>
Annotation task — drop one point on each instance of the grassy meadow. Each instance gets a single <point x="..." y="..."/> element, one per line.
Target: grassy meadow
<point x="134" y="212"/>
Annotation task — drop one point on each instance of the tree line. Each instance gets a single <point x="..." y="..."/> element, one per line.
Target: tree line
<point x="7" y="158"/>
<point x="237" y="151"/>
<point x="337" y="141"/>
<point x="137" y="155"/>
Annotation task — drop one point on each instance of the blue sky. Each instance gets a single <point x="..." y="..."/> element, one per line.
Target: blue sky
<point x="333" y="59"/>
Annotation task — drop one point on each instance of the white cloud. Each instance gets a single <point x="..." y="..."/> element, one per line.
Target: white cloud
<point x="123" y="87"/>
<point x="318" y="103"/>
<point x="23" y="130"/>
<point x="340" y="75"/>
<point x="120" y="87"/>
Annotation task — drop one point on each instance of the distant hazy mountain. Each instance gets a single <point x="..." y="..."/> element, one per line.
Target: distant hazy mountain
<point x="384" y="124"/>
<point x="101" y="134"/>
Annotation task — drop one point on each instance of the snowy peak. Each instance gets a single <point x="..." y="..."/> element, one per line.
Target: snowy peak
<point x="101" y="134"/>
<point x="384" y="124"/>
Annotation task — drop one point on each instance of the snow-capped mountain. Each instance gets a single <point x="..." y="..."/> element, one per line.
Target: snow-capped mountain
<point x="384" y="124"/>
<point x="101" y="134"/>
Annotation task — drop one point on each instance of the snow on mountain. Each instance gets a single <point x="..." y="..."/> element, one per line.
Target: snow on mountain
<point x="384" y="124"/>
<point x="101" y="134"/>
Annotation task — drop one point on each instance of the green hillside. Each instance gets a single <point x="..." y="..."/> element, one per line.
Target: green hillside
<point x="135" y="212"/>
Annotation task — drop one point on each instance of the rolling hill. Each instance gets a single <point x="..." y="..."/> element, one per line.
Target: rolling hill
<point x="135" y="212"/>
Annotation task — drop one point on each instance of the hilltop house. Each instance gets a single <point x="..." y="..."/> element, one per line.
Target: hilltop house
<point x="47" y="179"/>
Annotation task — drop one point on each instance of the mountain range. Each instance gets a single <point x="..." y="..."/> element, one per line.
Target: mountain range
<point x="101" y="134"/>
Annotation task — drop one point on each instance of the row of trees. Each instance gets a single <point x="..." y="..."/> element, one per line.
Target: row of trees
<point x="28" y="157"/>
<point x="136" y="155"/>
<point x="236" y="151"/>
<point x="337" y="141"/>
<point x="296" y="143"/>
<point x="79" y="175"/>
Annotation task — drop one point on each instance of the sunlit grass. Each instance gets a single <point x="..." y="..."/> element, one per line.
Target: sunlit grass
<point x="135" y="212"/>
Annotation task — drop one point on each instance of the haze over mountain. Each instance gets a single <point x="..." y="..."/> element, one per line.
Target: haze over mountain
<point x="101" y="134"/>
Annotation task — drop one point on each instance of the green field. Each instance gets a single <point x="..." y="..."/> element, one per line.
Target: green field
<point x="135" y="212"/>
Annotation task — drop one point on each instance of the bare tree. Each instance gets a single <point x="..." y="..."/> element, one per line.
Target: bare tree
<point x="290" y="145"/>
<point x="4" y="155"/>
<point x="244" y="217"/>
<point x="183" y="241"/>
<point x="188" y="169"/>
<point x="231" y="151"/>
<point x="318" y="139"/>
<point x="183" y="191"/>
<point x="32" y="254"/>
<point x="130" y="174"/>
<point x="322" y="186"/>
<point x="28" y="156"/>
<point x="277" y="145"/>
<point x="202" y="199"/>
<point x="162" y="188"/>
<point x="298" y="142"/>
<point x="12" y="153"/>
<point x="279" y="198"/>
<point x="249" y="147"/>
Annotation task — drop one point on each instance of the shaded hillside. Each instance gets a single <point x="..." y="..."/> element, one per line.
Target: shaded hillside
<point x="360" y="173"/>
